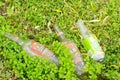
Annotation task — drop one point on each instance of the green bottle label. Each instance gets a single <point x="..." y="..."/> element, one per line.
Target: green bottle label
<point x="91" y="44"/>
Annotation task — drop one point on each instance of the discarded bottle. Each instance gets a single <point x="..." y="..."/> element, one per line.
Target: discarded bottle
<point x="33" y="48"/>
<point x="90" y="42"/>
<point x="78" y="60"/>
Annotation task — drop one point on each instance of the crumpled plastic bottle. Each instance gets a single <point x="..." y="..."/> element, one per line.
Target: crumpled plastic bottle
<point x="78" y="60"/>
<point x="90" y="42"/>
<point x="33" y="48"/>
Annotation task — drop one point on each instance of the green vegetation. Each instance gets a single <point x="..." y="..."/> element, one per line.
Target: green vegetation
<point x="21" y="18"/>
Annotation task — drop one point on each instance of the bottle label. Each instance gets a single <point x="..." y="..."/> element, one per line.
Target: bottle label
<point x="40" y="50"/>
<point x="36" y="48"/>
<point x="73" y="49"/>
<point x="92" y="45"/>
<point x="77" y="59"/>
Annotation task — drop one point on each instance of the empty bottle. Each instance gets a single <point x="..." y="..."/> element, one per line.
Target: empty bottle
<point x="90" y="42"/>
<point x="33" y="48"/>
<point x="78" y="60"/>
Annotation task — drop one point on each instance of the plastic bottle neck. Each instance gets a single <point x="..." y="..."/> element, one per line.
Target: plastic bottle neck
<point x="84" y="31"/>
<point x="14" y="38"/>
<point x="60" y="33"/>
<point x="20" y="42"/>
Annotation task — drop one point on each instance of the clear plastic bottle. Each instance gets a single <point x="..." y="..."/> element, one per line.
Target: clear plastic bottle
<point x="78" y="60"/>
<point x="33" y="48"/>
<point x="90" y="42"/>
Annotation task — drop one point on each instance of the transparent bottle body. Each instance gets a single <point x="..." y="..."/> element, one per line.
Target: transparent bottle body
<point x="90" y="42"/>
<point x="78" y="60"/>
<point x="33" y="48"/>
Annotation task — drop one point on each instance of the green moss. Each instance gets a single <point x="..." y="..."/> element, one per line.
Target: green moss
<point x="22" y="18"/>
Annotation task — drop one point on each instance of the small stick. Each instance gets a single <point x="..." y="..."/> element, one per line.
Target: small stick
<point x="95" y="20"/>
<point x="105" y="19"/>
<point x="48" y="26"/>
